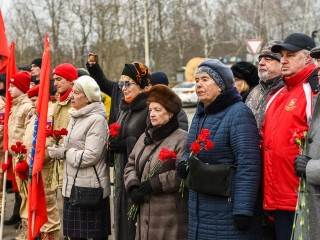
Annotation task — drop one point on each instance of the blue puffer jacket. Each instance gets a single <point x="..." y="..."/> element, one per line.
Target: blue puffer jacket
<point x="234" y="133"/>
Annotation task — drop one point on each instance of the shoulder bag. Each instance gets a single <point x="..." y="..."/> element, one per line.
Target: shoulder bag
<point x="85" y="196"/>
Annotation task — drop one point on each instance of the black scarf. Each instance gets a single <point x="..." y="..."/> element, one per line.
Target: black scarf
<point x="155" y="134"/>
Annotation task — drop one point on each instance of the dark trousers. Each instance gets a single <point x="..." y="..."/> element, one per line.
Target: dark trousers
<point x="283" y="221"/>
<point x="17" y="204"/>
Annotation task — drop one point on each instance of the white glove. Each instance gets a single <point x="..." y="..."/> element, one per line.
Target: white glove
<point x="57" y="151"/>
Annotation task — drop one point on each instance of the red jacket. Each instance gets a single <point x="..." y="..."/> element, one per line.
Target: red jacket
<point x="287" y="110"/>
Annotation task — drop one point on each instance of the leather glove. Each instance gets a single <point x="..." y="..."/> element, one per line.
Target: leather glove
<point x="116" y="145"/>
<point x="183" y="170"/>
<point x="135" y="195"/>
<point x="300" y="164"/>
<point x="57" y="151"/>
<point x="145" y="188"/>
<point x="242" y="222"/>
<point x="5" y="166"/>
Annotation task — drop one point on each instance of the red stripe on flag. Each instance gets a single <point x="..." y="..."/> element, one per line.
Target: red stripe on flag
<point x="11" y="70"/>
<point x="4" y="50"/>
<point x="37" y="201"/>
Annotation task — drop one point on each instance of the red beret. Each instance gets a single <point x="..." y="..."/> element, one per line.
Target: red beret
<point x="67" y="71"/>
<point x="21" y="80"/>
<point x="34" y="91"/>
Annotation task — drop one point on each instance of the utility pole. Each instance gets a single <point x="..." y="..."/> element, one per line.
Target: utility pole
<point x="146" y="34"/>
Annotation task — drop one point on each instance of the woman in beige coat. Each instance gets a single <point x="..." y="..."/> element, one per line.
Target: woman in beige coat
<point x="87" y="135"/>
<point x="163" y="211"/>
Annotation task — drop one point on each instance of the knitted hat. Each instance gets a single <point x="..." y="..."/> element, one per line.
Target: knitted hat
<point x="138" y="73"/>
<point x="37" y="62"/>
<point x="220" y="73"/>
<point x="25" y="68"/>
<point x="295" y="42"/>
<point x="246" y="71"/>
<point x="21" y="80"/>
<point x="90" y="88"/>
<point x="82" y="72"/>
<point x="315" y="52"/>
<point x="159" y="78"/>
<point x="166" y="97"/>
<point x="266" y="50"/>
<point x="34" y="91"/>
<point x="67" y="71"/>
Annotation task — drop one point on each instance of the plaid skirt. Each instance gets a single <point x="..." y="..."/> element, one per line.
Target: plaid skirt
<point x="82" y="222"/>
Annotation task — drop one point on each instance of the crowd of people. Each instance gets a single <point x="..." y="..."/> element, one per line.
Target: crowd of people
<point x="247" y="167"/>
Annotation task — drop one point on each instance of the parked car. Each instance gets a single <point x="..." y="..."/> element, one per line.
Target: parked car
<point x="187" y="93"/>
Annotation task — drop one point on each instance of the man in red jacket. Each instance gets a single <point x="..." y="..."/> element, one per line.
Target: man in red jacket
<point x="288" y="110"/>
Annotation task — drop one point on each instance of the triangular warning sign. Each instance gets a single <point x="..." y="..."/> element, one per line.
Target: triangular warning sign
<point x="254" y="45"/>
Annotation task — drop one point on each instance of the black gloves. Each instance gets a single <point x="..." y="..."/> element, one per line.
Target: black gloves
<point x="183" y="170"/>
<point x="300" y="164"/>
<point x="145" y="187"/>
<point x="116" y="145"/>
<point x="242" y="222"/>
<point x="135" y="195"/>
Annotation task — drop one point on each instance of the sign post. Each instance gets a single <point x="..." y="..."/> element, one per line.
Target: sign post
<point x="254" y="47"/>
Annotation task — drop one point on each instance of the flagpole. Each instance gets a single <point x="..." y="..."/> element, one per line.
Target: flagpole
<point x="3" y="194"/>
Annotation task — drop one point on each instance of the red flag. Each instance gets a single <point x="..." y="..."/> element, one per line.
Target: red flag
<point x="11" y="70"/>
<point x="4" y="50"/>
<point x="37" y="215"/>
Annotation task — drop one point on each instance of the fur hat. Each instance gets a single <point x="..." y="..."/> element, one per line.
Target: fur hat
<point x="89" y="87"/>
<point x="37" y="62"/>
<point x="159" y="78"/>
<point x="266" y="50"/>
<point x="21" y="80"/>
<point x="246" y="71"/>
<point x="34" y="91"/>
<point x="67" y="71"/>
<point x="166" y="97"/>
<point x="220" y="73"/>
<point x="138" y="72"/>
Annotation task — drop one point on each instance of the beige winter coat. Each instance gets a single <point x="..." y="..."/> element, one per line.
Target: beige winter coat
<point x="87" y="133"/>
<point x="20" y="113"/>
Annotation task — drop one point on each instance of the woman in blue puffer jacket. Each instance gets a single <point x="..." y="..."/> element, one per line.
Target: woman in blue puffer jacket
<point x="236" y="142"/>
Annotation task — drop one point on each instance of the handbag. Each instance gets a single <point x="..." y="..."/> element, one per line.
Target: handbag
<point x="211" y="179"/>
<point x="85" y="196"/>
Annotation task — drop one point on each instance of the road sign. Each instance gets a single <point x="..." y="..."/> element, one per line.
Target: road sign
<point x="254" y="45"/>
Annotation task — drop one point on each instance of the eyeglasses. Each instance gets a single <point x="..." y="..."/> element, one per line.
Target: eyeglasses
<point x="125" y="83"/>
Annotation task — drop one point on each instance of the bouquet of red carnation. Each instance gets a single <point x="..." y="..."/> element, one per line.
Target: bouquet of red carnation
<point x="114" y="129"/>
<point x="22" y="167"/>
<point x="163" y="157"/>
<point x="202" y="143"/>
<point x="57" y="135"/>
<point x="299" y="138"/>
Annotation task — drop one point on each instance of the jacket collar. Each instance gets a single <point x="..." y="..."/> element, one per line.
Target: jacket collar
<point x="139" y="102"/>
<point x="223" y="101"/>
<point x="155" y="134"/>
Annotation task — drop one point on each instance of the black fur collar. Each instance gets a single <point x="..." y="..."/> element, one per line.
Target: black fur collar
<point x="155" y="134"/>
<point x="223" y="101"/>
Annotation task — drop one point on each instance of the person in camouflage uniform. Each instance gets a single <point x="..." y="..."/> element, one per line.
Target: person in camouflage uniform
<point x="269" y="72"/>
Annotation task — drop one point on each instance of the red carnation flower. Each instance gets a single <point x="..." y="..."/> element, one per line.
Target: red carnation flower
<point x="195" y="147"/>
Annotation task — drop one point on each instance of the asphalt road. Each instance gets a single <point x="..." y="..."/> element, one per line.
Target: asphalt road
<point x="9" y="232"/>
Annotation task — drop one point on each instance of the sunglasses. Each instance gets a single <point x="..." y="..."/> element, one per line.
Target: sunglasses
<point x="125" y="83"/>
